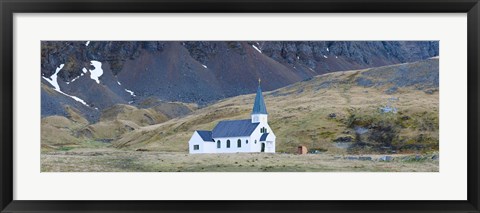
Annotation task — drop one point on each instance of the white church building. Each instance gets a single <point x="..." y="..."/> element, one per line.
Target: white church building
<point x="231" y="136"/>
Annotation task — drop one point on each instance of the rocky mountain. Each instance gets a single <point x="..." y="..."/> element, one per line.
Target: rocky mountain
<point x="91" y="76"/>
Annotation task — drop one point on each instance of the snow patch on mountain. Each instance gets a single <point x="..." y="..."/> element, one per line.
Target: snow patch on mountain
<point x="97" y="72"/>
<point x="86" y="44"/>
<point x="76" y="98"/>
<point x="131" y="92"/>
<point x="53" y="78"/>
<point x="75" y="78"/>
<point x="54" y="83"/>
<point x="257" y="48"/>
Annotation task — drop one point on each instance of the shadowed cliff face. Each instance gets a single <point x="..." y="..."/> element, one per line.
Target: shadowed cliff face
<point x="201" y="71"/>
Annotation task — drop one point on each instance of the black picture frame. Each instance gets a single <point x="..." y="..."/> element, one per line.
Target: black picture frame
<point x="9" y="7"/>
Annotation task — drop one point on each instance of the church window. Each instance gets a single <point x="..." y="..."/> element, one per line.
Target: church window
<point x="246" y="141"/>
<point x="263" y="130"/>
<point x="196" y="147"/>
<point x="228" y="143"/>
<point x="239" y="143"/>
<point x="218" y="144"/>
<point x="255" y="141"/>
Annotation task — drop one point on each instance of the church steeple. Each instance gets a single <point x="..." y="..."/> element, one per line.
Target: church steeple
<point x="259" y="112"/>
<point x="259" y="105"/>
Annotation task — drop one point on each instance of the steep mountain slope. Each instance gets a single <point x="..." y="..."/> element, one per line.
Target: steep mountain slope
<point x="102" y="73"/>
<point x="385" y="109"/>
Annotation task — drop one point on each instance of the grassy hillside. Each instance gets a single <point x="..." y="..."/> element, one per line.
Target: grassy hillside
<point x="327" y="113"/>
<point x="74" y="131"/>
<point x="392" y="109"/>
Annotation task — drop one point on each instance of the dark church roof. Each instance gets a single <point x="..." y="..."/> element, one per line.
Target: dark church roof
<point x="205" y="135"/>
<point x="259" y="105"/>
<point x="263" y="137"/>
<point x="234" y="128"/>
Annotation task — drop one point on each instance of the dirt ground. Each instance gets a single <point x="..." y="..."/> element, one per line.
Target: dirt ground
<point x="111" y="160"/>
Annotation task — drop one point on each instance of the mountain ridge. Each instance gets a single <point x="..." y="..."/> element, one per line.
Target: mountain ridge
<point x="200" y="72"/>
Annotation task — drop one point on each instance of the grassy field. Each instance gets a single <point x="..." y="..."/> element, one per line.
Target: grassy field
<point x="112" y="160"/>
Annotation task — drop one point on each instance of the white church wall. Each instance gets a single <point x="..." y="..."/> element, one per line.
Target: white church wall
<point x="259" y="118"/>
<point x="256" y="134"/>
<point x="269" y="147"/>
<point x="233" y="145"/>
<point x="270" y="143"/>
<point x="255" y="146"/>
<point x="195" y="140"/>
<point x="209" y="147"/>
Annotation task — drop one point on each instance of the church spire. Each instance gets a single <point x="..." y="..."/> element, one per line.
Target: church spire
<point x="259" y="105"/>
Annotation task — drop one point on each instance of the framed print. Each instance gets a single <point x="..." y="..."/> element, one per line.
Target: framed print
<point x="252" y="106"/>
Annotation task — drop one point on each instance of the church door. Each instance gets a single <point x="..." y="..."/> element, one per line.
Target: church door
<point x="263" y="147"/>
